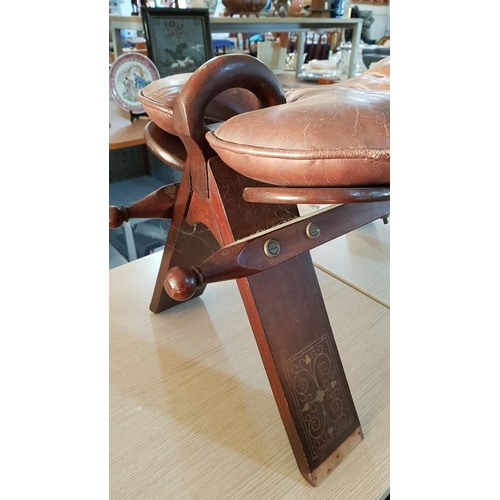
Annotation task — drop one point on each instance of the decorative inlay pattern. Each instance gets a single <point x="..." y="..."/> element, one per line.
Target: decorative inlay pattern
<point x="318" y="394"/>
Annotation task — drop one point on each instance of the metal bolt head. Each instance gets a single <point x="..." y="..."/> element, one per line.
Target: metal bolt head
<point x="271" y="248"/>
<point x="312" y="230"/>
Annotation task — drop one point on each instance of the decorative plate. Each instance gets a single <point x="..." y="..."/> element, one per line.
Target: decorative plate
<point x="128" y="74"/>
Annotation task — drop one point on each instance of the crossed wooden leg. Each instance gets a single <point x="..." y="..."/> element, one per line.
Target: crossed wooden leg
<point x="286" y="312"/>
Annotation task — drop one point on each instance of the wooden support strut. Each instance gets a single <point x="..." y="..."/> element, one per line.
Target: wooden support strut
<point x="321" y="195"/>
<point x="157" y="205"/>
<point x="269" y="248"/>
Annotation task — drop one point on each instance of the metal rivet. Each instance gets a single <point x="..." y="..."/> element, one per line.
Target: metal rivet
<point x="271" y="248"/>
<point x="312" y="230"/>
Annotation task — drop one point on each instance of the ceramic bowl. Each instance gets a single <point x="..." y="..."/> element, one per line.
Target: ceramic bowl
<point x="244" y="7"/>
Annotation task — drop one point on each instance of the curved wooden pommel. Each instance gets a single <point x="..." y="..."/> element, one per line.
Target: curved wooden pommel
<point x="157" y="205"/>
<point x="217" y="75"/>
<point x="214" y="77"/>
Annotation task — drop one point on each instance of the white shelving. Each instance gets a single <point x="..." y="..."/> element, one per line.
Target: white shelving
<point x="299" y="25"/>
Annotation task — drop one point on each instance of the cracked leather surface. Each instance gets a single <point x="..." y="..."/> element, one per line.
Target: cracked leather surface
<point x="336" y="135"/>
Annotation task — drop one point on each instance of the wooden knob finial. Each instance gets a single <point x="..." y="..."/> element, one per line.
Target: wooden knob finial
<point x="116" y="218"/>
<point x="180" y="283"/>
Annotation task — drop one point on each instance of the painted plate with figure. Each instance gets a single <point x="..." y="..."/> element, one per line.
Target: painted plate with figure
<point x="128" y="74"/>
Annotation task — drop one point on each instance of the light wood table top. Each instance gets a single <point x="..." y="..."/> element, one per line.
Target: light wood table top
<point x="122" y="132"/>
<point x="192" y="415"/>
<point x="360" y="258"/>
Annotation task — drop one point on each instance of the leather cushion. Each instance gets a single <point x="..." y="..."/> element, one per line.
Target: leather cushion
<point x="377" y="77"/>
<point x="336" y="135"/>
<point x="158" y="100"/>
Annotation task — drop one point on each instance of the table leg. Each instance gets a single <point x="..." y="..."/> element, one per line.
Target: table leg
<point x="117" y="42"/>
<point x="129" y="239"/>
<point x="299" y="52"/>
<point x="356" y="36"/>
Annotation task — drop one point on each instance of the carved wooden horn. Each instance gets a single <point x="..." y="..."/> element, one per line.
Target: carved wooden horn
<point x="209" y="80"/>
<point x="214" y="77"/>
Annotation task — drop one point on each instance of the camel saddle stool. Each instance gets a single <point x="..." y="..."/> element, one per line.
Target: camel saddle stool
<point x="250" y="154"/>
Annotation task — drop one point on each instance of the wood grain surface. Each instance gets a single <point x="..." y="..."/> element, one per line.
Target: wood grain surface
<point x="122" y="132"/>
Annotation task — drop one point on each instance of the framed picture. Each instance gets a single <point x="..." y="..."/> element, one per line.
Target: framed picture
<point x="178" y="40"/>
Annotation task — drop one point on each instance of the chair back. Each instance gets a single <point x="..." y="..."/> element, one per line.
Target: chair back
<point x="317" y="45"/>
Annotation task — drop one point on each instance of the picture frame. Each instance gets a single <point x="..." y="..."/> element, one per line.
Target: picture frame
<point x="178" y="40"/>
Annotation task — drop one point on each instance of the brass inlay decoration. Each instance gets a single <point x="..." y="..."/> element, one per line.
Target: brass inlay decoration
<point x="318" y="394"/>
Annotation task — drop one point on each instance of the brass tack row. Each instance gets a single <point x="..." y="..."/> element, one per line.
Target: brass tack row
<point x="272" y="247"/>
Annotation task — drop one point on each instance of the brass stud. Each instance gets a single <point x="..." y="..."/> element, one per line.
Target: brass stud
<point x="271" y="248"/>
<point x="312" y="230"/>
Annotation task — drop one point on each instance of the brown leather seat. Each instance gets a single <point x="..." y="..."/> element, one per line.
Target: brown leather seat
<point x="334" y="138"/>
<point x="377" y="77"/>
<point x="336" y="135"/>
